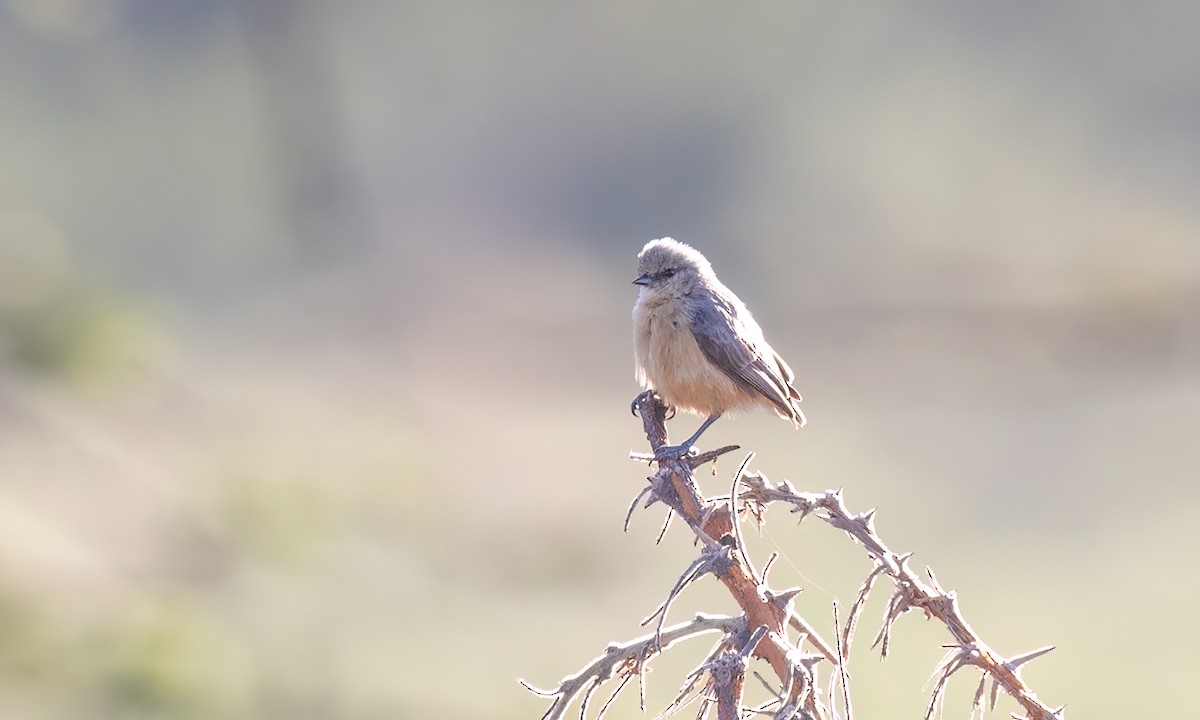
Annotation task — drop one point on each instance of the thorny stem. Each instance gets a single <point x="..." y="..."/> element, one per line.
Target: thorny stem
<point x="762" y="628"/>
<point x="626" y="656"/>
<point x="911" y="591"/>
<point x="714" y="522"/>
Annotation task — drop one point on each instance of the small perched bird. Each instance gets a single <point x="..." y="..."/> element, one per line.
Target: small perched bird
<point x="698" y="347"/>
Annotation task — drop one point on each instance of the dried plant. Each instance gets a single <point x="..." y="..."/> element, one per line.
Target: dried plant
<point x="800" y="662"/>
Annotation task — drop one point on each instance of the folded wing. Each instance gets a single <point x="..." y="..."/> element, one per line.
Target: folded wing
<point x="732" y="341"/>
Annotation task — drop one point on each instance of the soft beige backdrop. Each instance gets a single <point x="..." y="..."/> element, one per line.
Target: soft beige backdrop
<point x="315" y="360"/>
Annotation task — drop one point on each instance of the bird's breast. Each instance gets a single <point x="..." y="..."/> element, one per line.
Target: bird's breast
<point x="670" y="362"/>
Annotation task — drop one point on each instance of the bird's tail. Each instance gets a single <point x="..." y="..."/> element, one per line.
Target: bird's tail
<point x="795" y="414"/>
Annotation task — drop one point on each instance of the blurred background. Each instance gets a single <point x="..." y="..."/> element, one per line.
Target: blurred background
<point x="315" y="357"/>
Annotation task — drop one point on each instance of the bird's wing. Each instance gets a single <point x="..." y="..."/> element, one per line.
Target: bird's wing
<point x="732" y="341"/>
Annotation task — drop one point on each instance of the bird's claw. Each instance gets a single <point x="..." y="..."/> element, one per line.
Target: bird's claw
<point x="644" y="395"/>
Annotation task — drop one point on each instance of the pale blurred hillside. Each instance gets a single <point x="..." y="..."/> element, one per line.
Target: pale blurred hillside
<point x="315" y="360"/>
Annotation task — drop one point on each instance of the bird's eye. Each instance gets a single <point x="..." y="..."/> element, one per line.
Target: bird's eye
<point x="668" y="272"/>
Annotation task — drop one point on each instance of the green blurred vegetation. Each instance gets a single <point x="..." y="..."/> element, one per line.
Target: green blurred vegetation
<point x="314" y="344"/>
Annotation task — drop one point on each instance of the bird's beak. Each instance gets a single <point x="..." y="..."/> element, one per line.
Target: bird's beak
<point x="643" y="280"/>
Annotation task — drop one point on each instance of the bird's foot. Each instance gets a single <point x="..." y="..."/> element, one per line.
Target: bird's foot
<point x="647" y="395"/>
<point x="694" y="458"/>
<point x="675" y="452"/>
<point x="639" y="398"/>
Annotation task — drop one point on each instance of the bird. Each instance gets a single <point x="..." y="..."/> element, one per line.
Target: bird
<point x="697" y="346"/>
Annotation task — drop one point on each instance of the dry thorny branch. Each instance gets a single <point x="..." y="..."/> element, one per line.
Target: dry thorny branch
<point x="762" y="630"/>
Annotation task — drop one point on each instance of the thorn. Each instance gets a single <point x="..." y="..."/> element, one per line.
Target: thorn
<point x="784" y="597"/>
<point x="696" y="461"/>
<point x="933" y="578"/>
<point x="769" y="564"/>
<point x="1017" y="661"/>
<point x="804" y="512"/>
<point x="977" y="700"/>
<point x="752" y="643"/>
<point x="633" y="505"/>
<point x="536" y="690"/>
<point x="666" y="525"/>
<point x="767" y="685"/>
<point x="896" y="565"/>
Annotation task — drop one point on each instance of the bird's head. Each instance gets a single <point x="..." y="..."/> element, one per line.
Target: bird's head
<point x="669" y="266"/>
